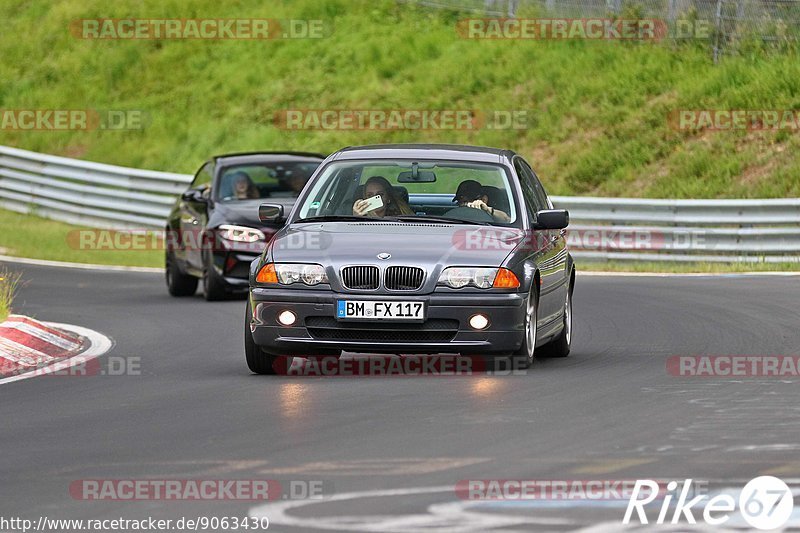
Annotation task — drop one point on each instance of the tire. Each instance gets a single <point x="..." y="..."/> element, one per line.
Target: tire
<point x="525" y="356"/>
<point x="258" y="361"/>
<point x="178" y="283"/>
<point x="213" y="290"/>
<point x="560" y="346"/>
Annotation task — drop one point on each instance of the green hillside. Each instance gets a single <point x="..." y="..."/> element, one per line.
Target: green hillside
<point x="597" y="110"/>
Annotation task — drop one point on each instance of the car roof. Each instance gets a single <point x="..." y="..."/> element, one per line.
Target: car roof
<point x="457" y="152"/>
<point x="267" y="157"/>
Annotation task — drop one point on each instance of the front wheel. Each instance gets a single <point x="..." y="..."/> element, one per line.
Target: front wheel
<point x="561" y="345"/>
<point x="524" y="357"/>
<point x="258" y="361"/>
<point x="178" y="283"/>
<point x="212" y="287"/>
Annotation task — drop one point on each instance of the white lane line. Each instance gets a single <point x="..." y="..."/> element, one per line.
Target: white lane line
<point x="99" y="344"/>
<point x="452" y="516"/>
<point x="82" y="266"/>
<point x="468" y="516"/>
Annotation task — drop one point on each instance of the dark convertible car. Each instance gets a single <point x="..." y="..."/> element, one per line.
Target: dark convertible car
<point x="213" y="231"/>
<point x="413" y="249"/>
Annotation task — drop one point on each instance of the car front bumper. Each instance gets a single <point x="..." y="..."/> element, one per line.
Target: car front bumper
<point x="445" y="329"/>
<point x="232" y="268"/>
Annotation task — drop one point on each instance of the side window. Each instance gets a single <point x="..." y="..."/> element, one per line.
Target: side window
<point x="526" y="182"/>
<point x="538" y="189"/>
<point x="203" y="176"/>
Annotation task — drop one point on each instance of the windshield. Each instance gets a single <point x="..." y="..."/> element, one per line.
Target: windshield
<point x="264" y="180"/>
<point x="386" y="189"/>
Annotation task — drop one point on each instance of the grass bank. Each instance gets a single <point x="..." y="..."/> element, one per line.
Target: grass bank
<point x="596" y="111"/>
<point x="40" y="238"/>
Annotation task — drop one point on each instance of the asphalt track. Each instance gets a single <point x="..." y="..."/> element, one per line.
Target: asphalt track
<point x="391" y="449"/>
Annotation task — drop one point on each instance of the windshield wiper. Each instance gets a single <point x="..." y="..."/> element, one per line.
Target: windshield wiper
<point x="337" y="218"/>
<point x="447" y="220"/>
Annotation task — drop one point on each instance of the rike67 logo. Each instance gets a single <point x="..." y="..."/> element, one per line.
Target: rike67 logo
<point x="765" y="502"/>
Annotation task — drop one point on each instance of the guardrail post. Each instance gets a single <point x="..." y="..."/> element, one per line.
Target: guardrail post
<point x="718" y="24"/>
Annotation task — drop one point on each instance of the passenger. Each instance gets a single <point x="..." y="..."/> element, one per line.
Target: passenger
<point x="393" y="205"/>
<point x="293" y="181"/>
<point x="243" y="187"/>
<point x="297" y="182"/>
<point x="492" y="196"/>
<point x="470" y="193"/>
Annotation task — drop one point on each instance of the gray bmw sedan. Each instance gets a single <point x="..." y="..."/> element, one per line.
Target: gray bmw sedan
<point x="413" y="249"/>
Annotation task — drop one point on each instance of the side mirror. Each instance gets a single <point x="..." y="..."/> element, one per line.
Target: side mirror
<point x="552" y="219"/>
<point x="194" y="195"/>
<point x="270" y="213"/>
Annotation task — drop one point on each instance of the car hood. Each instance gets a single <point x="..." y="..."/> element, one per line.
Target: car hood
<point x="337" y="244"/>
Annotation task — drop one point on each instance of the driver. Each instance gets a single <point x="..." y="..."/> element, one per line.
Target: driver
<point x="470" y="193"/>
<point x="243" y="186"/>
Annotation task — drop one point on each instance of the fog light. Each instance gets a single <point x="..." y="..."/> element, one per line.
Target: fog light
<point x="287" y="318"/>
<point x="478" y="321"/>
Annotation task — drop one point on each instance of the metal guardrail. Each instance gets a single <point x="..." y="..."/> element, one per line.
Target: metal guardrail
<point x="108" y="196"/>
<point x="684" y="230"/>
<point x="727" y="245"/>
<point x="82" y="192"/>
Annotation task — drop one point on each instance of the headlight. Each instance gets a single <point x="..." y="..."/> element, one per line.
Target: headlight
<point x="240" y="233"/>
<point x="286" y="274"/>
<point x="481" y="277"/>
<point x="456" y="277"/>
<point x="313" y="275"/>
<point x="484" y="277"/>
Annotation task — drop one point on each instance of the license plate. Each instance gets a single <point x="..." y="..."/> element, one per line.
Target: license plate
<point x="376" y="310"/>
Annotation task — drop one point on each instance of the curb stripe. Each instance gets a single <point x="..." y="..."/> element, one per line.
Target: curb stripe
<point x="21" y="354"/>
<point x="99" y="345"/>
<point x="22" y="319"/>
<point x="45" y="335"/>
<point x="27" y="344"/>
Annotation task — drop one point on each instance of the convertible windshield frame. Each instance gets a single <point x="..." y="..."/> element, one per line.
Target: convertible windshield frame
<point x="283" y="192"/>
<point x="517" y="208"/>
